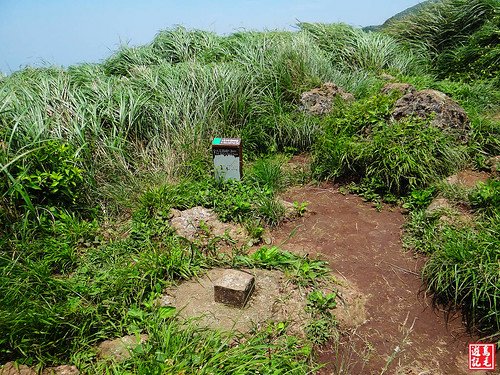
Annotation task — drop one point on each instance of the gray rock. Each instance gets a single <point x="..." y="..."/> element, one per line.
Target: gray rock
<point x="387" y="77"/>
<point x="402" y="88"/>
<point x="61" y="370"/>
<point x="494" y="164"/>
<point x="438" y="205"/>
<point x="290" y="210"/>
<point x="319" y="101"/>
<point x="467" y="179"/>
<point x="449" y="116"/>
<point x="202" y="223"/>
<point x="166" y="300"/>
<point x="448" y="214"/>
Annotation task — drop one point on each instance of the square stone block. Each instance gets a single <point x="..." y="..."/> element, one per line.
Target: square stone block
<point x="234" y="288"/>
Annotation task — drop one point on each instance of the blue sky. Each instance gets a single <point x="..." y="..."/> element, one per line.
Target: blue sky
<point x="64" y="32"/>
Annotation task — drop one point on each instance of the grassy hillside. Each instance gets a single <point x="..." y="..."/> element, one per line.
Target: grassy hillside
<point x="398" y="16"/>
<point x="461" y="37"/>
<point x="94" y="157"/>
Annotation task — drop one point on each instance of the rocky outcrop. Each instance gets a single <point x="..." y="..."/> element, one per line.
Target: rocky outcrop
<point x="319" y="100"/>
<point x="493" y="164"/>
<point x="12" y="368"/>
<point x="200" y="223"/>
<point x="449" y="214"/>
<point x="387" y="77"/>
<point x="438" y="205"/>
<point x="448" y="115"/>
<point x="467" y="179"/>
<point x="120" y="349"/>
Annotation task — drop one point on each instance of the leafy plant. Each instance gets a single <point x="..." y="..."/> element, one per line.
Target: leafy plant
<point x="50" y="175"/>
<point x="397" y="157"/>
<point x="463" y="272"/>
<point x="267" y="173"/>
<point x="321" y="302"/>
<point x="271" y="210"/>
<point x="300" y="208"/>
<point x="319" y="331"/>
<point x="486" y="197"/>
<point x="419" y="198"/>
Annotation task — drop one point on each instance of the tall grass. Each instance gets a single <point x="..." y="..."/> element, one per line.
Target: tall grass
<point x="76" y="143"/>
<point x="154" y="108"/>
<point x="442" y="24"/>
<point x="456" y="33"/>
<point x="462" y="271"/>
<point x="372" y="51"/>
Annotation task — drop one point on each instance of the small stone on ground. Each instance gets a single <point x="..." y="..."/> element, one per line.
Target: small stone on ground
<point x="467" y="179"/>
<point x="12" y="368"/>
<point x="119" y="349"/>
<point x="200" y="223"/>
<point x="319" y="101"/>
<point x="234" y="288"/>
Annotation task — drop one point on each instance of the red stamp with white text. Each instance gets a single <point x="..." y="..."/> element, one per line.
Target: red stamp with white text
<point x="481" y="356"/>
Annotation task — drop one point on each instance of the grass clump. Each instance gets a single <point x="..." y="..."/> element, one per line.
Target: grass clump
<point x="462" y="269"/>
<point x="358" y="50"/>
<point x="175" y="348"/>
<point x="388" y="156"/>
<point x="231" y="200"/>
<point x="463" y="272"/>
<point x="301" y="270"/>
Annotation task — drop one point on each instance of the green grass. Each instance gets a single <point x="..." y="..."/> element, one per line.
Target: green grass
<point x="392" y="157"/>
<point x="462" y="270"/>
<point x="53" y="310"/>
<point x="460" y="35"/>
<point x="129" y="139"/>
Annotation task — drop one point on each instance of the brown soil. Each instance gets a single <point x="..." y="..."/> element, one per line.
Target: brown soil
<point x="364" y="247"/>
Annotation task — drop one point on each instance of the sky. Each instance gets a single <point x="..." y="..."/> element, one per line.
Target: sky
<point x="66" y="32"/>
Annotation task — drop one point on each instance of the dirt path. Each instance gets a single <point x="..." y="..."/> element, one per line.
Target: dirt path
<point x="364" y="247"/>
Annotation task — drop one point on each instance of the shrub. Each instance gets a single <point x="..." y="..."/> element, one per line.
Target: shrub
<point x="47" y="176"/>
<point x="409" y="154"/>
<point x="462" y="267"/>
<point x="394" y="157"/>
<point x="486" y="197"/>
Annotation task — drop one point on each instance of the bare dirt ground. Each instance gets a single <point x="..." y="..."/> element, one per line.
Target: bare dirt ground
<point x="402" y="333"/>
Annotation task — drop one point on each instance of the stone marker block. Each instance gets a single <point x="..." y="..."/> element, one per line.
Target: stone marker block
<point x="234" y="288"/>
